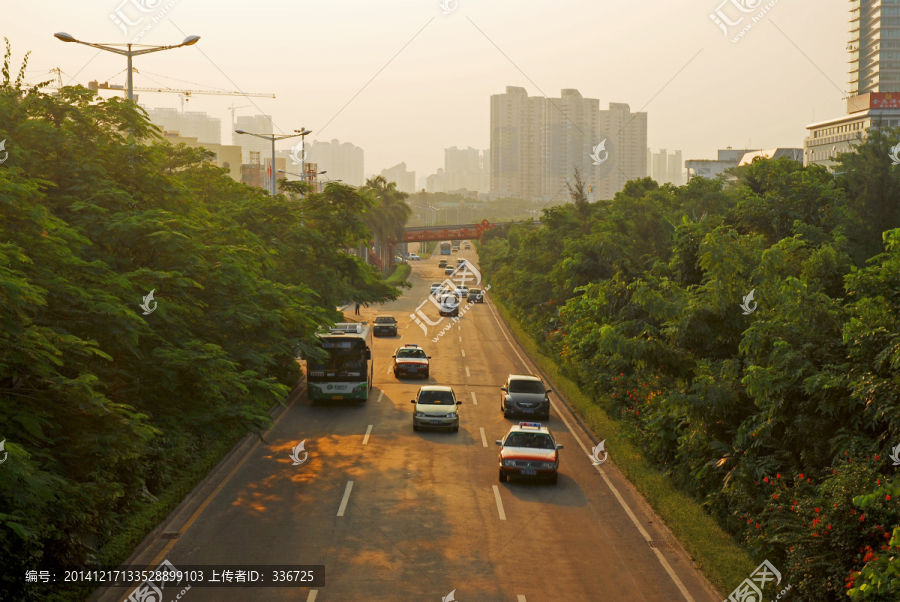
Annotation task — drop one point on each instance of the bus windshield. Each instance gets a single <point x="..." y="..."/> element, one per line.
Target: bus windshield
<point x="345" y="358"/>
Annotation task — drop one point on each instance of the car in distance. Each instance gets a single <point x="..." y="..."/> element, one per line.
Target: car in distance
<point x="436" y="287"/>
<point x="468" y="246"/>
<point x="442" y="263"/>
<point x="410" y="360"/>
<point x="385" y="325"/>
<point x="436" y="407"/>
<point x="525" y="395"/>
<point x="414" y="257"/>
<point x="475" y="295"/>
<point x="462" y="290"/>
<point x="449" y="302"/>
<point x="529" y="450"/>
<point x="449" y="271"/>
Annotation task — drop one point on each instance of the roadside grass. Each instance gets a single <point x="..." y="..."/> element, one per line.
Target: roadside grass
<point x="716" y="553"/>
<point x="399" y="275"/>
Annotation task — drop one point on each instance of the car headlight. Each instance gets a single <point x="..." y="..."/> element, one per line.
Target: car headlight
<point x="453" y="415"/>
<point x="509" y="463"/>
<point x="420" y="414"/>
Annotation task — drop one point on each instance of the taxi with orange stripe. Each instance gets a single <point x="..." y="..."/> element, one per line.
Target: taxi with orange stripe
<point x="529" y="450"/>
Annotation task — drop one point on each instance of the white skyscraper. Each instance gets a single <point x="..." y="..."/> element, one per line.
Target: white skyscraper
<point x="342" y="161"/>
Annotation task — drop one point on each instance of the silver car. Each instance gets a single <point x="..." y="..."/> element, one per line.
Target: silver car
<point x="525" y="395"/>
<point x="436" y="407"/>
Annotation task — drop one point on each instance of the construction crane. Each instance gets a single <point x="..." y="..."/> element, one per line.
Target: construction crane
<point x="184" y="93"/>
<point x="233" y="108"/>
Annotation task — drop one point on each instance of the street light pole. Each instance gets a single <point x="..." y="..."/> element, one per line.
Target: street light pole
<point x="129" y="53"/>
<point x="273" y="138"/>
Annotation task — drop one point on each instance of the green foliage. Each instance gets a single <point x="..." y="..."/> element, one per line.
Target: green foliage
<point x="98" y="399"/>
<point x="637" y="300"/>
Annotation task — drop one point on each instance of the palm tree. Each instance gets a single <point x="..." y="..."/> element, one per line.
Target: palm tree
<point x="389" y="215"/>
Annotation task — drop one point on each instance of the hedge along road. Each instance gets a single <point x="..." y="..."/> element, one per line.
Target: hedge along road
<point x="396" y="515"/>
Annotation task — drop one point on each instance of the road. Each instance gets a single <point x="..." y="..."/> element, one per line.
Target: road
<point x="425" y="514"/>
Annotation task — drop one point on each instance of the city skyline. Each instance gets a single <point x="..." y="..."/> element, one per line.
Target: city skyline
<point x="703" y="91"/>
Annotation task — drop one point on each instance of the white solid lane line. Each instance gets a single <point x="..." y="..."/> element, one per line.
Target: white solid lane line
<point x="521" y="598"/>
<point x="467" y="371"/>
<point x="388" y="370"/>
<point x="499" y="502"/>
<point x="346" y="498"/>
<point x="368" y="432"/>
<point x="312" y="595"/>
<point x="483" y="438"/>
<point x="380" y="395"/>
<point x="463" y="352"/>
<point x="474" y="399"/>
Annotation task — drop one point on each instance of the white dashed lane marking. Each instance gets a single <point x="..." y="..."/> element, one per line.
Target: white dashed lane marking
<point x="380" y="395"/>
<point x="467" y="371"/>
<point x="368" y="432"/>
<point x="347" y="498"/>
<point x="497" y="498"/>
<point x="474" y="399"/>
<point x="483" y="438"/>
<point x="312" y="595"/>
<point x="463" y="352"/>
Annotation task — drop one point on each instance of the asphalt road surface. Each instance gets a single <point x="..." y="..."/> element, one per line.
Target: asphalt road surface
<point x="425" y="514"/>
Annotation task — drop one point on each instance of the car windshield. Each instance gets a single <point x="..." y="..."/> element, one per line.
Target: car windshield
<point x="411" y="353"/>
<point x="384" y="320"/>
<point x="440" y="398"/>
<point x="530" y="440"/>
<point x="526" y="386"/>
<point x="474" y="290"/>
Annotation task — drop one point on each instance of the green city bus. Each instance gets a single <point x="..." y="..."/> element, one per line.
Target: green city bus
<point x="347" y="371"/>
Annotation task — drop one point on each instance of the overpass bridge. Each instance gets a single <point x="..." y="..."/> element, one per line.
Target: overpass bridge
<point x="456" y="232"/>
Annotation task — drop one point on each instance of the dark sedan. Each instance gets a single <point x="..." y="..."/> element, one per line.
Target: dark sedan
<point x="385" y="326"/>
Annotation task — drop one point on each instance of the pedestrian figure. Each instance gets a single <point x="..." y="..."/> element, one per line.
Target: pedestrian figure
<point x="357" y="308"/>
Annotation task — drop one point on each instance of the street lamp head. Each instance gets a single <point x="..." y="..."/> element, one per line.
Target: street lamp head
<point x="239" y="132"/>
<point x="280" y="171"/>
<point x="64" y="37"/>
<point x="323" y="171"/>
<point x="303" y="132"/>
<point x="190" y="40"/>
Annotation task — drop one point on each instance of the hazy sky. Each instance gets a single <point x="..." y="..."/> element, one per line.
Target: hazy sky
<point x="315" y="55"/>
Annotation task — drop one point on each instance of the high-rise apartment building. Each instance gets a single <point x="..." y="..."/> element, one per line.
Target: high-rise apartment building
<point x="343" y="161"/>
<point x="405" y="180"/>
<point x="661" y="166"/>
<point x="626" y="135"/>
<point x="537" y="143"/>
<point x="190" y="124"/>
<point x="467" y="168"/>
<point x="874" y="46"/>
<point x="675" y="171"/>
<point x="258" y="124"/>
<point x="516" y="144"/>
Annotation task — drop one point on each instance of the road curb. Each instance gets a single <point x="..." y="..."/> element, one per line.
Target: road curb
<point x="676" y="545"/>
